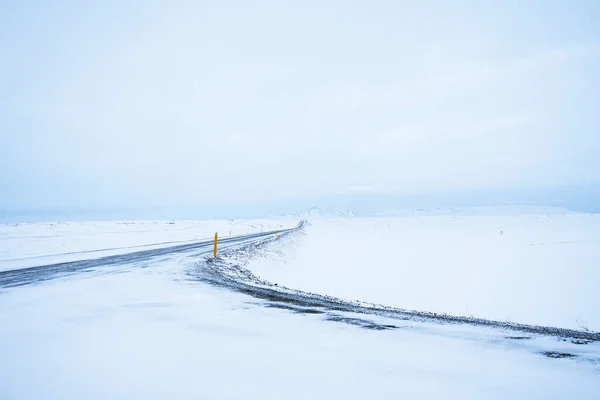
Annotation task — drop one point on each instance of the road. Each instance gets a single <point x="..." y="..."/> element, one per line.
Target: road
<point x="235" y="277"/>
<point x="32" y="275"/>
<point x="222" y="273"/>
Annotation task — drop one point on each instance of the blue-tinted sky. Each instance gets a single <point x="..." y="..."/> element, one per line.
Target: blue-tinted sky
<point x="238" y="104"/>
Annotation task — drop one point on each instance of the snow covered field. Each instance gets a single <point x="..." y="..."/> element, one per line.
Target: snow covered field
<point x="158" y="329"/>
<point x="31" y="244"/>
<point x="150" y="333"/>
<point x="534" y="269"/>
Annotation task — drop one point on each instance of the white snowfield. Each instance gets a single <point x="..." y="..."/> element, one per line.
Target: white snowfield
<point x="531" y="269"/>
<point x="26" y="245"/>
<point x="154" y="331"/>
<point x="149" y="334"/>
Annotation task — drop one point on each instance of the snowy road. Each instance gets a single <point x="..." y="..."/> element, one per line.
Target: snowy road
<point x="189" y="326"/>
<point x="235" y="278"/>
<point x="27" y="276"/>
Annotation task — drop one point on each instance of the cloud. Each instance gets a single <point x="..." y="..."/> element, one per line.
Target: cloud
<point x="202" y="103"/>
<point x="362" y="189"/>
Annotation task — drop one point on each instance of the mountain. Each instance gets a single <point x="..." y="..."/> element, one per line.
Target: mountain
<point x="346" y="213"/>
<point x="505" y="210"/>
<point x="314" y="212"/>
<point x="318" y="213"/>
<point x="482" y="210"/>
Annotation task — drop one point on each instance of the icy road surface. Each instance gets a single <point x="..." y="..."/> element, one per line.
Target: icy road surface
<point x="24" y="245"/>
<point x="26" y="276"/>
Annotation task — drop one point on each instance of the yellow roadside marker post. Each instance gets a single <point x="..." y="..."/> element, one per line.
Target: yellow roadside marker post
<point x="277" y="232"/>
<point x="216" y="241"/>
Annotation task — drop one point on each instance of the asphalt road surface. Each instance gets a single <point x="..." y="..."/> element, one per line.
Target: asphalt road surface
<point x="32" y="275"/>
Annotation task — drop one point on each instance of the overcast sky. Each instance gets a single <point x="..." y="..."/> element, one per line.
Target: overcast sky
<point x="109" y="103"/>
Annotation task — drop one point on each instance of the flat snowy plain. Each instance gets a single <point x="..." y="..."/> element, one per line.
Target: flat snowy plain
<point x="153" y="330"/>
<point x="535" y="269"/>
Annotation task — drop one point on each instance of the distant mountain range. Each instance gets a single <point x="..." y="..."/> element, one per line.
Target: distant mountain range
<point x="318" y="213"/>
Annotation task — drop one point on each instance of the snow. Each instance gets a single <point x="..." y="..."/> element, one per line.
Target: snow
<point x="318" y="213"/>
<point x="149" y="333"/>
<point x="532" y="269"/>
<point x="505" y="210"/>
<point x="153" y="331"/>
<point x="25" y="245"/>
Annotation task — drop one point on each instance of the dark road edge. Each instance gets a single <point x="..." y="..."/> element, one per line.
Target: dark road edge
<point x="235" y="277"/>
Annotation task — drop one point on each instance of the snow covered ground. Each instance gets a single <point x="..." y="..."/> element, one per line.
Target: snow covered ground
<point x="25" y="245"/>
<point x="151" y="333"/>
<point x="160" y="330"/>
<point x="533" y="269"/>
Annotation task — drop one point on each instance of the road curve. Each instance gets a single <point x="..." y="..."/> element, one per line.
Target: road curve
<point x="32" y="275"/>
<point x="235" y="277"/>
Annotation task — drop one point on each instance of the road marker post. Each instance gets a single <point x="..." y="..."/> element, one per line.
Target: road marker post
<point x="216" y="241"/>
<point x="277" y="232"/>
